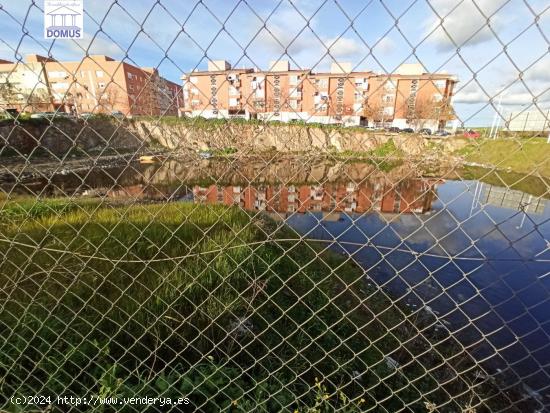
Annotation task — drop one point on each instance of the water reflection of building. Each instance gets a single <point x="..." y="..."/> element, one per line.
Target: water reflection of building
<point x="407" y="196"/>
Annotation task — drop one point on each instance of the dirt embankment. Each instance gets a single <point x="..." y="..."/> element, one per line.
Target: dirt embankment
<point x="282" y="138"/>
<point x="70" y="138"/>
<point x="59" y="137"/>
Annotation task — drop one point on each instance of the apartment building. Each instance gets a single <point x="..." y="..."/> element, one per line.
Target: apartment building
<point x="97" y="84"/>
<point x="409" y="97"/>
<point x="24" y="86"/>
<point x="215" y="93"/>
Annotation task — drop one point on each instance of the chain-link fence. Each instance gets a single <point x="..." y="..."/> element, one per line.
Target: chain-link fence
<point x="303" y="206"/>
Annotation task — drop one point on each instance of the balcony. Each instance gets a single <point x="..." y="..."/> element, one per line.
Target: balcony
<point x="234" y="103"/>
<point x="235" y="83"/>
<point x="390" y="86"/>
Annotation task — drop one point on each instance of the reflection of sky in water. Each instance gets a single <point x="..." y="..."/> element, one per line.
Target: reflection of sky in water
<point x="479" y="271"/>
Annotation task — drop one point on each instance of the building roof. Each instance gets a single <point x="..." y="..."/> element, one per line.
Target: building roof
<point x="64" y="10"/>
<point x="216" y="72"/>
<point x="404" y="71"/>
<point x="34" y="58"/>
<point x="350" y="74"/>
<point x="275" y="72"/>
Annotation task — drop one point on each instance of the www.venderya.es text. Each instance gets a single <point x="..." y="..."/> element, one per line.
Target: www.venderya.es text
<point x="94" y="400"/>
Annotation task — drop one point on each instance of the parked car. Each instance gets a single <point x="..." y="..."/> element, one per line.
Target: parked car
<point x="471" y="134"/>
<point x="407" y="130"/>
<point x="86" y="115"/>
<point x="117" y="114"/>
<point x="64" y="115"/>
<point x="394" y="129"/>
<point x="425" y="131"/>
<point x="443" y="133"/>
<point x="43" y="115"/>
<point x="51" y="115"/>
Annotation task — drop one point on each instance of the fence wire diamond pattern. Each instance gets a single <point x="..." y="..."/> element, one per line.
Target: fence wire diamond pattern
<point x="314" y="236"/>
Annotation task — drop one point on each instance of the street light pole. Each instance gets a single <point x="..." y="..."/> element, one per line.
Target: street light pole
<point x="497" y="118"/>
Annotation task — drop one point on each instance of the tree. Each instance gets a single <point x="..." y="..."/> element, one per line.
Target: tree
<point x="373" y="110"/>
<point x="422" y="112"/>
<point x="38" y="100"/>
<point x="110" y="98"/>
<point x="8" y="94"/>
<point x="427" y="109"/>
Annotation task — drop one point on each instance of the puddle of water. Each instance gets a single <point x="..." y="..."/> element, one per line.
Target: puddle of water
<point x="473" y="254"/>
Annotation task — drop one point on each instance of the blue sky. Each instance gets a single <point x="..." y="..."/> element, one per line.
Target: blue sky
<point x="508" y="56"/>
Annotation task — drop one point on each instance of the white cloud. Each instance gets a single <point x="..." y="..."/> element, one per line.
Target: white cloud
<point x="385" y="46"/>
<point x="464" y="23"/>
<point x="345" y="47"/>
<point x="539" y="72"/>
<point x="99" y="45"/>
<point x="278" y="38"/>
<point x="470" y="94"/>
<point x="516" y="95"/>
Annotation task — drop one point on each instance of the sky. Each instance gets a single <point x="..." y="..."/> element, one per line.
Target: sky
<point x="498" y="49"/>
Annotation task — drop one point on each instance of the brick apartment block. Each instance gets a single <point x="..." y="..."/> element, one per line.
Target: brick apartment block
<point x="97" y="84"/>
<point x="415" y="196"/>
<point x="407" y="98"/>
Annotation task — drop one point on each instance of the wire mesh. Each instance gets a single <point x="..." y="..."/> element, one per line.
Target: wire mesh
<point x="351" y="237"/>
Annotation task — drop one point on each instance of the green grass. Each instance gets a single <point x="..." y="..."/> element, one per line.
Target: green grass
<point x="519" y="155"/>
<point x="533" y="185"/>
<point x="185" y="299"/>
<point x="385" y="157"/>
<point x="212" y="124"/>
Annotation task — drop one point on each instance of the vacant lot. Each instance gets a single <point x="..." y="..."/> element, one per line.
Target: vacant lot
<point x="528" y="156"/>
<point x="211" y="303"/>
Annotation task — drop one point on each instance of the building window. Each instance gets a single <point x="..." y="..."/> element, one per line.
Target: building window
<point x="99" y="73"/>
<point x="322" y="83"/>
<point x="293" y="79"/>
<point x="440" y="83"/>
<point x="130" y="76"/>
<point x="60" y="85"/>
<point x="389" y="85"/>
<point x="57" y="74"/>
<point x="257" y="83"/>
<point x="388" y="110"/>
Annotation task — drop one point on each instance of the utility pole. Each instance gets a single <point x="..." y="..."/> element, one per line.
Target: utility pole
<point x="497" y="118"/>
